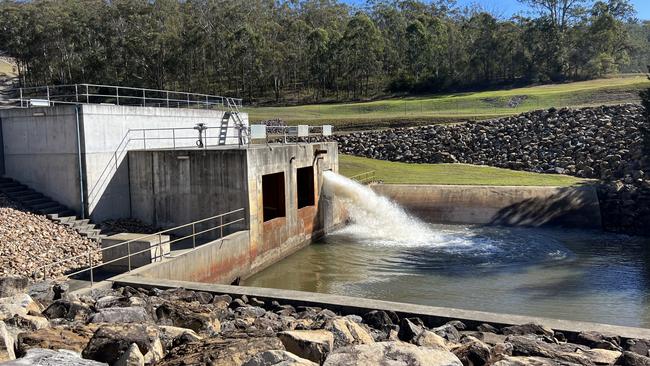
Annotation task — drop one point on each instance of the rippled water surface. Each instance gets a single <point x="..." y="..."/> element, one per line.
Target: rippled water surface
<point x="577" y="275"/>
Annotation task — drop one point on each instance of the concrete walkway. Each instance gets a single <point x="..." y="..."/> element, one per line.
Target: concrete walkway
<point x="359" y="306"/>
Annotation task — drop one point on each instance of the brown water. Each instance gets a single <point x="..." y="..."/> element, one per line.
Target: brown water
<point x="578" y="275"/>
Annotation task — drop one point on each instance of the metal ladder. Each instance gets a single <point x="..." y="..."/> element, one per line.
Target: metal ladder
<point x="233" y="111"/>
<point x="223" y="129"/>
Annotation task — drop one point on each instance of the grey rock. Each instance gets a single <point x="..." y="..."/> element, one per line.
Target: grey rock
<point x="391" y="353"/>
<point x="47" y="357"/>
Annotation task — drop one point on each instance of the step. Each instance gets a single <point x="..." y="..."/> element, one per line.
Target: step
<point x="14" y="189"/>
<point x="20" y="193"/>
<point x="80" y="223"/>
<point x="62" y="219"/>
<point x="85" y="227"/>
<point x="92" y="233"/>
<point x="52" y="210"/>
<point x="35" y="201"/>
<point x="27" y="196"/>
<point x="44" y="205"/>
<point x="9" y="184"/>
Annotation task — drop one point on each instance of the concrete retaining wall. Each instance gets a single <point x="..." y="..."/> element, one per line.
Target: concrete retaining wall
<point x="41" y="151"/>
<point x="220" y="261"/>
<point x="517" y="206"/>
<point x="109" y="132"/>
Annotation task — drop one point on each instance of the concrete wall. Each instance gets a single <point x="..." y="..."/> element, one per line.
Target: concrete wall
<point x="41" y="151"/>
<point x="221" y="261"/>
<point x="275" y="239"/>
<point x="173" y="187"/>
<point x="520" y="206"/>
<point x="109" y="132"/>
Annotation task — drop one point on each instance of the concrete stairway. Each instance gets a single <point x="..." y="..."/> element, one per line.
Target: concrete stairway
<point x="40" y="204"/>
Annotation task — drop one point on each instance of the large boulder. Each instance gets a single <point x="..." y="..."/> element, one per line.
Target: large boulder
<point x="391" y="353"/>
<point x="121" y="315"/>
<point x="13" y="285"/>
<point x="47" y="357"/>
<point x="218" y="351"/>
<point x="70" y="338"/>
<point x="7" y="344"/>
<point x="278" y="358"/>
<point x="200" y="319"/>
<point x="132" y="357"/>
<point x="313" y="345"/>
<point x="20" y="304"/>
<point x="111" y="341"/>
<point x="347" y="332"/>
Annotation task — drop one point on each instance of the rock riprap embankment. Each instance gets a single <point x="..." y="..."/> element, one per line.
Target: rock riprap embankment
<point x="127" y="326"/>
<point x="600" y="142"/>
<point x="29" y="242"/>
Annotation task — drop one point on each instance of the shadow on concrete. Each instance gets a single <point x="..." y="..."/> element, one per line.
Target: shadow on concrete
<point x="570" y="207"/>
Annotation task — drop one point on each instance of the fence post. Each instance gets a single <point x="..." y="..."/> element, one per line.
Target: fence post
<point x="21" y="97"/>
<point x="87" y="95"/>
<point x="144" y="138"/>
<point x="144" y="98"/>
<point x="193" y="237"/>
<point x="221" y="226"/>
<point x="160" y="250"/>
<point x="117" y="94"/>
<point x="90" y="261"/>
<point x="128" y="250"/>
<point x="174" y="138"/>
<point x="47" y="88"/>
<point x="167" y="96"/>
<point x="76" y="92"/>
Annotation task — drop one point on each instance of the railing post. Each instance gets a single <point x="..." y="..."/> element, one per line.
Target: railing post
<point x="21" y="97"/>
<point x="76" y="93"/>
<point x="167" y="96"/>
<point x="221" y="226"/>
<point x="90" y="261"/>
<point x="174" y="138"/>
<point x="144" y="138"/>
<point x="117" y="94"/>
<point x="188" y="99"/>
<point x="47" y="88"/>
<point x="160" y="250"/>
<point x="193" y="236"/>
<point x="128" y="250"/>
<point x="144" y="98"/>
<point x="87" y="95"/>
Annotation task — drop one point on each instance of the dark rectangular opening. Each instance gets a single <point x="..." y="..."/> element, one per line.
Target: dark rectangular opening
<point x="305" y="181"/>
<point x="273" y="196"/>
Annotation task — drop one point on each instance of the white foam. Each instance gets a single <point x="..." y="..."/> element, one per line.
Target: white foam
<point x="376" y="219"/>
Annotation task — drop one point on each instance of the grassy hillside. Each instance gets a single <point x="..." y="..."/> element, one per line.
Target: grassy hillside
<point x="461" y="174"/>
<point x="450" y="107"/>
<point x="6" y="68"/>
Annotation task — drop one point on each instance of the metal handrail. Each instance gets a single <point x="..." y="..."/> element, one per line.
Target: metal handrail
<point x="89" y="254"/>
<point x="366" y="177"/>
<point x="62" y="94"/>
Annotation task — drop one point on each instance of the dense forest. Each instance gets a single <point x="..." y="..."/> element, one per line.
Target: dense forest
<point x="308" y="50"/>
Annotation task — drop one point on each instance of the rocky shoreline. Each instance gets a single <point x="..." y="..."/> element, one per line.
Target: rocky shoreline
<point x="126" y="326"/>
<point x="602" y="143"/>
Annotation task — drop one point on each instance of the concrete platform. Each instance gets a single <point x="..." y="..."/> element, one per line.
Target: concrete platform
<point x="353" y="305"/>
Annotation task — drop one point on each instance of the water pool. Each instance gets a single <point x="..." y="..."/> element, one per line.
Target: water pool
<point x="566" y="274"/>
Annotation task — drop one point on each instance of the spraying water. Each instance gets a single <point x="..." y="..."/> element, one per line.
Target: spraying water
<point x="375" y="217"/>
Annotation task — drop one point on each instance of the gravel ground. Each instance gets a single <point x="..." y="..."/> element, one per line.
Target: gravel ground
<point x="29" y="241"/>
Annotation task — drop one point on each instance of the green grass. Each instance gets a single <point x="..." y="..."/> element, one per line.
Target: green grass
<point x="454" y="174"/>
<point x="458" y="106"/>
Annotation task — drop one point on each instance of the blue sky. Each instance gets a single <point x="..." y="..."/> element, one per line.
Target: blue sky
<point x="506" y="8"/>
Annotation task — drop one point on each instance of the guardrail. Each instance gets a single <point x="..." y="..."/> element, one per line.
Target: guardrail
<point x="197" y="230"/>
<point x="120" y="95"/>
<point x="365" y="178"/>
